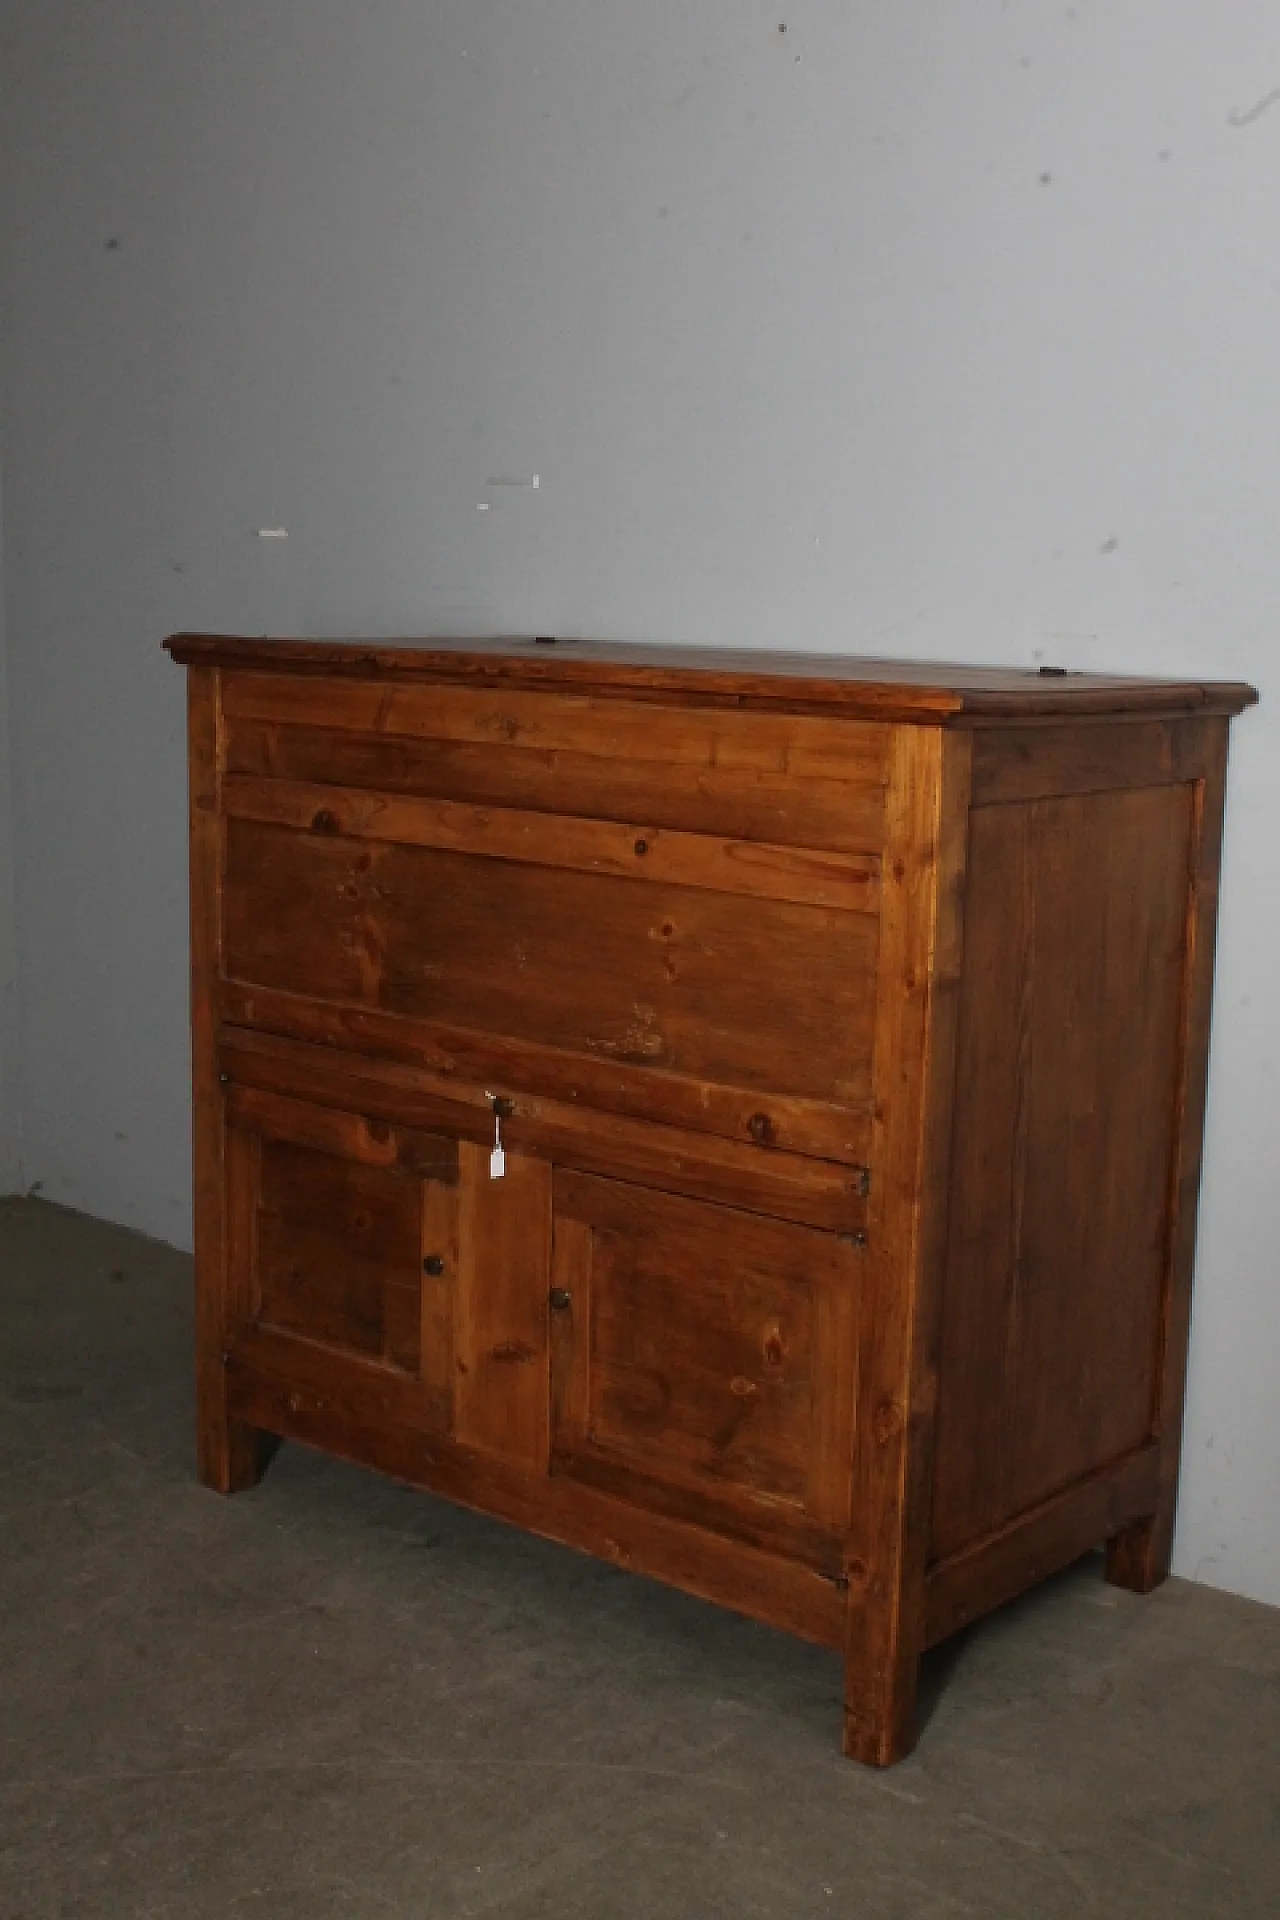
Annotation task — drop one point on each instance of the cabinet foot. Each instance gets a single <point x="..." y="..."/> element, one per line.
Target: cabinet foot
<point x="880" y="1719"/>
<point x="232" y="1456"/>
<point x="1138" y="1557"/>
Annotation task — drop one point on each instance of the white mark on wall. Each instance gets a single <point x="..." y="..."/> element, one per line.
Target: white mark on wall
<point x="273" y="533"/>
<point x="1247" y="116"/>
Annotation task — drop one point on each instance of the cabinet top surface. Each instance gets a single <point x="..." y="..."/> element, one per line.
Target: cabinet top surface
<point x="857" y="685"/>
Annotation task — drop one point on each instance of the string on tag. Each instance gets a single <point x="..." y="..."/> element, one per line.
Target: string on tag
<point x="497" y="1159"/>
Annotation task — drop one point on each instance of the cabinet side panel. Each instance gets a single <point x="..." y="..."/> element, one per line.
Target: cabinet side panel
<point x="1067" y="1082"/>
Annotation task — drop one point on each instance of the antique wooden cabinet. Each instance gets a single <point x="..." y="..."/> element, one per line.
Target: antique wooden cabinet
<point x="845" y="1024"/>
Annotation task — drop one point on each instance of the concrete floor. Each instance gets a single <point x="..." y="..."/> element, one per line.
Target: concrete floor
<point x="334" y="1696"/>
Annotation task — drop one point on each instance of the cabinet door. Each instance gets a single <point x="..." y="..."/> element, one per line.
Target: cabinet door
<point x="382" y="1261"/>
<point x="703" y="1363"/>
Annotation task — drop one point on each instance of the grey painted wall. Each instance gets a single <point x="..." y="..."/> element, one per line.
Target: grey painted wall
<point x="920" y="329"/>
<point x="10" y="1121"/>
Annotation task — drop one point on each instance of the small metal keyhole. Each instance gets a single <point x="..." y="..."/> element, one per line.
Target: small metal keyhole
<point x="434" y="1264"/>
<point x="560" y="1298"/>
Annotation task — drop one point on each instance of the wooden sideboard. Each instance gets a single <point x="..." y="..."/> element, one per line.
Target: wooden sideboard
<point x="845" y="1023"/>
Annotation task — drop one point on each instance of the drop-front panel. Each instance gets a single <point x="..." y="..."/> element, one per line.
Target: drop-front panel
<point x="844" y="1028"/>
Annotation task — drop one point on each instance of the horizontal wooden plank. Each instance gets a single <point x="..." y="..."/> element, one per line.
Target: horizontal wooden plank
<point x="312" y="1370"/>
<point x="347" y="1413"/>
<point x="745" y="803"/>
<point x="797" y="744"/>
<point x="991" y="1571"/>
<point x="635" y="850"/>
<point x="349" y="1136"/>
<point x="1034" y="763"/>
<point x="760" y="1180"/>
<point x="772" y="994"/>
<point x="680" y="1496"/>
<point x="458" y="1057"/>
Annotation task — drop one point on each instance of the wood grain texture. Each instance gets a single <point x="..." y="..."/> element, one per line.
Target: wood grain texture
<point x="349" y="1136"/>
<point x="739" y="992"/>
<point x="850" y="1025"/>
<point x="341" y="1242"/>
<point x="920" y="962"/>
<point x="1037" y="1543"/>
<point x="500" y="1308"/>
<point x="844" y="813"/>
<point x="633" y="850"/>
<point x="461" y="1062"/>
<point x="879" y="689"/>
<point x="688" y="1374"/>
<point x="1138" y="1557"/>
<point x="1067" y="1072"/>
<point x="338" y="1253"/>
<point x="606" y="729"/>
<point x="440" y="1270"/>
<point x="352" y="1419"/>
<point x="229" y="1453"/>
<point x="1050" y="762"/>
<point x="759" y="1179"/>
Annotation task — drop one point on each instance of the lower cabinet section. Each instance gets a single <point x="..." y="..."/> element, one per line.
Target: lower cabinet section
<point x="703" y="1363"/>
<point x="687" y="1358"/>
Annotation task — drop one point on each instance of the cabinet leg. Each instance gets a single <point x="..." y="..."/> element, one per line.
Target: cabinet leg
<point x="879" y="1695"/>
<point x="231" y="1456"/>
<point x="1138" y="1557"/>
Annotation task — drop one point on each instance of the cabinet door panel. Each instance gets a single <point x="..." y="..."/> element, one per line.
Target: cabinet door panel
<point x="703" y="1362"/>
<point x="337" y="1254"/>
<point x="385" y="1257"/>
<point x="329" y="1213"/>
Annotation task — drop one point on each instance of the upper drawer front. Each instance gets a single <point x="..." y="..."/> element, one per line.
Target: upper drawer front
<point x="788" y="779"/>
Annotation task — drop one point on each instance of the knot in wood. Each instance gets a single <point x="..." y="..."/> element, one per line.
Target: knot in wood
<point x="887" y="1422"/>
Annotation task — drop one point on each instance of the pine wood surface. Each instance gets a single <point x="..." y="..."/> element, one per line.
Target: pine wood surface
<point x="847" y="1027"/>
<point x="882" y="689"/>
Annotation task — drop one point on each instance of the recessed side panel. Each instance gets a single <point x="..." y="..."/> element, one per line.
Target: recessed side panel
<point x="1071" y="1019"/>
